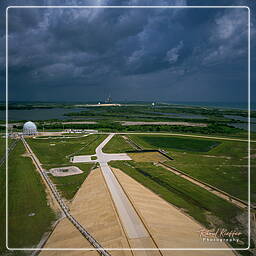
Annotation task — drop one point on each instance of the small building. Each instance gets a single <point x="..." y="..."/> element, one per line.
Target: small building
<point x="29" y="128"/>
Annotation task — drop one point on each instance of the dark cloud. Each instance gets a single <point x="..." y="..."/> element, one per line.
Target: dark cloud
<point x="143" y="54"/>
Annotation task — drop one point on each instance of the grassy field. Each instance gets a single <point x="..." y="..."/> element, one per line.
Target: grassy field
<point x="118" y="144"/>
<point x="69" y="185"/>
<point x="2" y="146"/>
<point x="224" y="166"/>
<point x="202" y="205"/>
<point x="178" y="143"/>
<point x="26" y="196"/>
<point x="59" y="150"/>
<point x="153" y="157"/>
<point x="56" y="152"/>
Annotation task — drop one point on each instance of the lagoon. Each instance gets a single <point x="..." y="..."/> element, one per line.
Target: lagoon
<point x="38" y="114"/>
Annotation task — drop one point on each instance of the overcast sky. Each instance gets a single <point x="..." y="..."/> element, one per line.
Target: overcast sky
<point x="155" y="54"/>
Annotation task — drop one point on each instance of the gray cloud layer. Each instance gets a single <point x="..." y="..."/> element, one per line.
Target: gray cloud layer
<point x="141" y="54"/>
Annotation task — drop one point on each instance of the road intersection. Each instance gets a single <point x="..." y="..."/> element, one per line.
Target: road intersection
<point x="130" y="219"/>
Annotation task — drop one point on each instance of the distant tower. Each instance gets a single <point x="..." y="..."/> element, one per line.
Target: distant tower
<point x="108" y="100"/>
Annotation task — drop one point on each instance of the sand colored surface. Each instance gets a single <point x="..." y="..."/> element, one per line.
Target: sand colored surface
<point x="163" y="123"/>
<point x="169" y="227"/>
<point x="98" y="105"/>
<point x="80" y="122"/>
<point x="65" y="235"/>
<point x="148" y="157"/>
<point x="94" y="209"/>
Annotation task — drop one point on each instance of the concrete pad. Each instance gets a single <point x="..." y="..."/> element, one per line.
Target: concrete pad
<point x="65" y="171"/>
<point x="83" y="159"/>
<point x="100" y="158"/>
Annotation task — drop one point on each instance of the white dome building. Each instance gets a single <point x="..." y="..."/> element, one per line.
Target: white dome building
<point x="29" y="128"/>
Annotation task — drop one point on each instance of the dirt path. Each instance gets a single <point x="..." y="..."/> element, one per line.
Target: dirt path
<point x="132" y="143"/>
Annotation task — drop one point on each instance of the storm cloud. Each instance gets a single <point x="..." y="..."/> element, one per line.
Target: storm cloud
<point x="162" y="54"/>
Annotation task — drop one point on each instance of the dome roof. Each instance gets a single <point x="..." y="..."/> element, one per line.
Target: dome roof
<point x="29" y="124"/>
<point x="29" y="128"/>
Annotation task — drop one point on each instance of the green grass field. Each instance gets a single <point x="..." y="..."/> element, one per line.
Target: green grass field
<point x="2" y="146"/>
<point x="59" y="150"/>
<point x="225" y="166"/>
<point x="26" y="196"/>
<point x="202" y="205"/>
<point x="117" y="145"/>
<point x="56" y="152"/>
<point x="69" y="185"/>
<point x="178" y="143"/>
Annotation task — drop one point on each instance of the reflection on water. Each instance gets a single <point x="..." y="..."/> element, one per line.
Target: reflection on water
<point x="58" y="113"/>
<point x="38" y="114"/>
<point x="244" y="126"/>
<point x="240" y="118"/>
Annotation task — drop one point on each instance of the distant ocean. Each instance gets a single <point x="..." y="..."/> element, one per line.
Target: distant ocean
<point x="234" y="105"/>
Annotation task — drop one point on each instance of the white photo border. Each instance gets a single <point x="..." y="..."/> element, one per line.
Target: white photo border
<point x="249" y="132"/>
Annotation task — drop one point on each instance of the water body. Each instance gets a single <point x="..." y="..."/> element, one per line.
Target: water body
<point x="240" y="118"/>
<point x="244" y="126"/>
<point x="38" y="114"/>
<point x="234" y="105"/>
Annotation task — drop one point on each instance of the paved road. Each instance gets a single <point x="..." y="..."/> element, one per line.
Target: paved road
<point x="130" y="219"/>
<point x="101" y="157"/>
